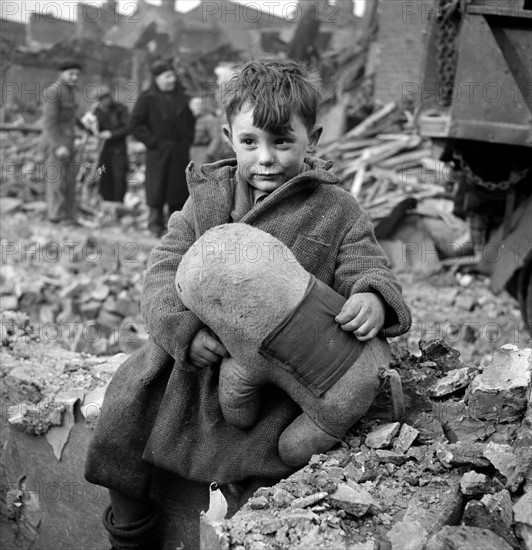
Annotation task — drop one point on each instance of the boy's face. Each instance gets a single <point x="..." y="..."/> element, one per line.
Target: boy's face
<point x="265" y="160"/>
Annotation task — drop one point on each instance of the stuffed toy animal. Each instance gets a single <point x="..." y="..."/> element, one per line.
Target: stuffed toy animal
<point x="277" y="322"/>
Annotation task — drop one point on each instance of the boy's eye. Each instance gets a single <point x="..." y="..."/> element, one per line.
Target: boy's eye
<point x="246" y="141"/>
<point x="283" y="141"/>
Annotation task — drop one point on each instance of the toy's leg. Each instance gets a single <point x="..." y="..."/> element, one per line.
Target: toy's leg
<point x="238" y="394"/>
<point x="302" y="439"/>
<point x="337" y="410"/>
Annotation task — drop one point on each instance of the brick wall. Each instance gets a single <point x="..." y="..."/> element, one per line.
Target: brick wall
<point x="401" y="41"/>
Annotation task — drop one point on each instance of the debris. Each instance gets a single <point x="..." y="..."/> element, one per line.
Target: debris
<point x="354" y="499"/>
<point x="476" y="514"/>
<point x="436" y="504"/>
<point x="462" y="537"/>
<point x="474" y="484"/>
<point x="404" y="440"/>
<point x="382" y="436"/>
<point x="454" y="380"/>
<point x="408" y="535"/>
<point x="499" y="393"/>
<point x="36" y="419"/>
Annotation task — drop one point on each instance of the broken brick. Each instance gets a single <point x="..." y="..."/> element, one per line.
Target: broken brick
<point x="499" y="393"/>
<point x="354" y="499"/>
<point x="408" y="535"/>
<point x="470" y="538"/>
<point x="455" y="380"/>
<point x="477" y="514"/>
<point x="382" y="436"/>
<point x="474" y="484"/>
<point x="436" y="504"/>
<point x="404" y="440"/>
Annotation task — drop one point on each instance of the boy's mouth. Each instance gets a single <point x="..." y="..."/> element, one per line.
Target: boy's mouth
<point x="267" y="176"/>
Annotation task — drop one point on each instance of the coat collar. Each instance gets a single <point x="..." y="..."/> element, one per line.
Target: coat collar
<point x="212" y="188"/>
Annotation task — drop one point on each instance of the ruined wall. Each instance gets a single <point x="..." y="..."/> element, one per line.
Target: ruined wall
<point x="401" y="41"/>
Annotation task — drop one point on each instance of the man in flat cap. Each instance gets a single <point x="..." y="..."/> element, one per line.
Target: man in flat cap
<point x="113" y="126"/>
<point x="162" y="120"/>
<point x="60" y="103"/>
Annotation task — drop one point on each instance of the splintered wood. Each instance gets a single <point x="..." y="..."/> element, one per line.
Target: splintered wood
<point x="381" y="169"/>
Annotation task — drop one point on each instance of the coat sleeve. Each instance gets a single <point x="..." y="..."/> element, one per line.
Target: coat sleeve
<point x="171" y="325"/>
<point x="50" y="120"/>
<point x="362" y="266"/>
<point x="139" y="123"/>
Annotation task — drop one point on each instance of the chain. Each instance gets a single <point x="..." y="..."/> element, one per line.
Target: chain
<point x="515" y="177"/>
<point x="448" y="20"/>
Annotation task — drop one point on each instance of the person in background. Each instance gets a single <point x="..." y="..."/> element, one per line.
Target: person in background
<point x="113" y="127"/>
<point x="162" y="120"/>
<point x="207" y="133"/>
<point x="60" y="104"/>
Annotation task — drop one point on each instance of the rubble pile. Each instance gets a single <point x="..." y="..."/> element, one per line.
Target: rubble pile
<point x="22" y="166"/>
<point x="80" y="291"/>
<point x="382" y="161"/>
<point x="455" y="473"/>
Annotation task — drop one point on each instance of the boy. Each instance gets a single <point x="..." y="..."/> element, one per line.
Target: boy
<point x="162" y="406"/>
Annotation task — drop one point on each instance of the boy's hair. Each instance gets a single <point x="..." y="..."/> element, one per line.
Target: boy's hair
<point x="276" y="88"/>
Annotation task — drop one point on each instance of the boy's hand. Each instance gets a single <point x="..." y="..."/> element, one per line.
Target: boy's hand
<point x="205" y="349"/>
<point x="363" y="314"/>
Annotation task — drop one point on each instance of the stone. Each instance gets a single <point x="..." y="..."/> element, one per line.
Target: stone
<point x="9" y="302"/>
<point x="438" y="351"/>
<point x="90" y="309"/>
<point x="499" y="393"/>
<point x="391" y="457"/>
<point x="282" y="498"/>
<point x="476" y="514"/>
<point x="501" y="505"/>
<point x="455" y="419"/>
<point x="258" y="503"/>
<point x="502" y="457"/>
<point x="462" y="454"/>
<point x="436" y="504"/>
<point x="522" y="509"/>
<point x="63" y="496"/>
<point x="99" y="292"/>
<point x="430" y="430"/>
<point x="474" y="484"/>
<point x="36" y="419"/>
<point x="125" y="305"/>
<point x="109" y="320"/>
<point x="455" y="380"/>
<point x="404" y="440"/>
<point x="382" y="436"/>
<point x="408" y="535"/>
<point x="354" y="499"/>
<point x="20" y="385"/>
<point x="470" y="538"/>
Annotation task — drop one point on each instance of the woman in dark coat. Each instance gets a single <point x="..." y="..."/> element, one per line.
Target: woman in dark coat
<point x="113" y="125"/>
<point x="162" y="120"/>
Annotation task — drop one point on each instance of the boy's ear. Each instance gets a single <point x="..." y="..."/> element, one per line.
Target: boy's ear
<point x="228" y="135"/>
<point x="314" y="137"/>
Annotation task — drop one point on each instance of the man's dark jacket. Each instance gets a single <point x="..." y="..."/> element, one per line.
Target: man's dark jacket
<point x="165" y="124"/>
<point x="160" y="408"/>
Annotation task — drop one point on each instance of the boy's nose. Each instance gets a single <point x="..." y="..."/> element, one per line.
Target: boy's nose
<point x="266" y="155"/>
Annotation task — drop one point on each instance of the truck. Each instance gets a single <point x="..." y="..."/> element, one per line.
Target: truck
<point x="475" y="104"/>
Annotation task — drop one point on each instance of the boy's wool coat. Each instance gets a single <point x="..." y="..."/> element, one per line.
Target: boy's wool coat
<point x="162" y="409"/>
